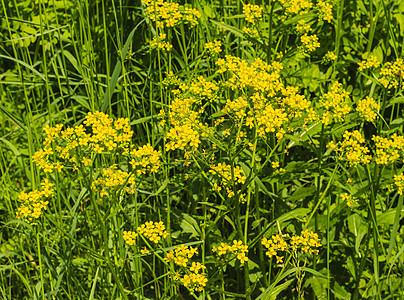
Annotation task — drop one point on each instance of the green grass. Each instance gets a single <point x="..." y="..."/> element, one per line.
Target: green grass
<point x="60" y="60"/>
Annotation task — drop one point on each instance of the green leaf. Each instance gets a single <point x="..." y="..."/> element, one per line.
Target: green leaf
<point x="13" y="117"/>
<point x="117" y="70"/>
<point x="234" y="30"/>
<point x="358" y="227"/>
<point x="302" y="193"/>
<point x="388" y="217"/>
<point x="340" y="292"/>
<point x="25" y="65"/>
<point x="318" y="284"/>
<point x="190" y="225"/>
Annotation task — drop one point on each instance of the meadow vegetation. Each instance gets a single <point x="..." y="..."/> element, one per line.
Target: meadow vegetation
<point x="200" y="149"/>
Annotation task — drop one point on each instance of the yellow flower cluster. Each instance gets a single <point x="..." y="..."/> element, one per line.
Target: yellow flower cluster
<point x="266" y="105"/>
<point x="130" y="237"/>
<point x="388" y="150"/>
<point x="101" y="134"/>
<point x="107" y="134"/>
<point x="252" y="12"/>
<point x="33" y="203"/>
<point x="324" y="11"/>
<point x="167" y="14"/>
<point x="309" y="43"/>
<point x="153" y="231"/>
<point x="236" y="107"/>
<point x="329" y="56"/>
<point x="112" y="180"/>
<point x="191" y="276"/>
<point x="307" y="242"/>
<point x="195" y="281"/>
<point x="350" y="200"/>
<point x="252" y="32"/>
<point x="77" y="147"/>
<point x="370" y="62"/>
<point x="160" y="42"/>
<point x="302" y="26"/>
<point x="258" y="75"/>
<point x="270" y="105"/>
<point x="399" y="182"/>
<point x="202" y="88"/>
<point x="368" y="109"/>
<point x="296" y="7"/>
<point x="294" y="103"/>
<point x="392" y="74"/>
<point x="352" y="149"/>
<point x="181" y="136"/>
<point x="265" y="117"/>
<point x="214" y="47"/>
<point x="237" y="249"/>
<point x="276" y="244"/>
<point x="146" y="159"/>
<point x="181" y="255"/>
<point x="184" y="114"/>
<point x="336" y="104"/>
<point x="171" y="80"/>
<point x="190" y="16"/>
<point x="225" y="173"/>
<point x="181" y="109"/>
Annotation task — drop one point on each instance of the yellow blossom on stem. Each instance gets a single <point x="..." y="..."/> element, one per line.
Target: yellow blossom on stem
<point x="229" y="251"/>
<point x="353" y="150"/>
<point x="153" y="231"/>
<point x="253" y="13"/>
<point x="370" y="62"/>
<point x="324" y="11"/>
<point x="34" y="203"/>
<point x="350" y="200"/>
<point x="214" y="47"/>
<point x="336" y="103"/>
<point x="399" y="182"/>
<point x="368" y="109"/>
<point x="388" y="149"/>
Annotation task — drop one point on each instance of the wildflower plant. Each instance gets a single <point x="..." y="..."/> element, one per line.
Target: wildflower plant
<point x="201" y="150"/>
<point x="188" y="273"/>
<point x="35" y="202"/>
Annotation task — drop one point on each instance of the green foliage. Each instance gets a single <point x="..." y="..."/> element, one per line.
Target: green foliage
<point x="201" y="149"/>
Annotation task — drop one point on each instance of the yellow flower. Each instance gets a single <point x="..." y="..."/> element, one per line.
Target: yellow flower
<point x="352" y="149"/>
<point x="368" y="109"/>
<point x="392" y="74"/>
<point x="296" y="7"/>
<point x="214" y="47"/>
<point x="388" y="150"/>
<point x="324" y="11"/>
<point x="309" y="43"/>
<point x="252" y="12"/>
<point x="237" y="250"/>
<point x="329" y="56"/>
<point x="160" y="42"/>
<point x="370" y="62"/>
<point x="153" y="231"/>
<point x="33" y="203"/>
<point x="129" y="237"/>
<point x="181" y="255"/>
<point x="144" y="251"/>
<point x="350" y="200"/>
<point x="336" y="103"/>
<point x="399" y="182"/>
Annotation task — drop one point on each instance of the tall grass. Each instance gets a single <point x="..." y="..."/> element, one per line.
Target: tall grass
<point x="267" y="167"/>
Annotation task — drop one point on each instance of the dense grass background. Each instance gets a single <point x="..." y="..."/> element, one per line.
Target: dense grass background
<point x="60" y="60"/>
